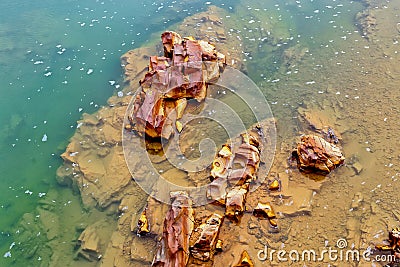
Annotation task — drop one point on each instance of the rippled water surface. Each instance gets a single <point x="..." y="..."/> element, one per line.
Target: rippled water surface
<point x="57" y="59"/>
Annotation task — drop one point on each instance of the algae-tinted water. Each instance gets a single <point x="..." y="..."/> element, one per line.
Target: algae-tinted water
<point x="57" y="59"/>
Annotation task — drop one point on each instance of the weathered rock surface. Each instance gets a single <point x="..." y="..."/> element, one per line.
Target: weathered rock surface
<point x="94" y="160"/>
<point x="135" y="64"/>
<point x="314" y="153"/>
<point x="204" y="238"/>
<point x="235" y="201"/>
<point x="265" y="210"/>
<point x="89" y="243"/>
<point x="182" y="73"/>
<point x="234" y="167"/>
<point x="150" y="221"/>
<point x="178" y="226"/>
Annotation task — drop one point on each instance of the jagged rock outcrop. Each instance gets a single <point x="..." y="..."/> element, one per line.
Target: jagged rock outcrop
<point x="204" y="238"/>
<point x="315" y="153"/>
<point x="178" y="225"/>
<point x="182" y="73"/>
<point x="233" y="169"/>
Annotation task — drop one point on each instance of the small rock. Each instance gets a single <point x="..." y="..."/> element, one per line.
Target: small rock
<point x="89" y="243"/>
<point x="357" y="167"/>
<point x="204" y="239"/>
<point x="245" y="260"/>
<point x="252" y="225"/>
<point x="315" y="153"/>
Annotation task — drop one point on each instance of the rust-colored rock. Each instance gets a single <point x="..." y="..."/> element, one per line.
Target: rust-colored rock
<point x="204" y="239"/>
<point x="218" y="246"/>
<point x="178" y="225"/>
<point x="265" y="210"/>
<point x="274" y="185"/>
<point x="245" y="260"/>
<point x="315" y="153"/>
<point x="253" y="137"/>
<point x="240" y="176"/>
<point x="169" y="40"/>
<point x="143" y="224"/>
<point x="394" y="243"/>
<point x="183" y="72"/>
<point x="222" y="162"/>
<point x="234" y="167"/>
<point x="216" y="190"/>
<point x="235" y="200"/>
<point x="248" y="156"/>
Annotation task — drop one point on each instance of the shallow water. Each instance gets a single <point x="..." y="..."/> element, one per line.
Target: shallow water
<point x="57" y="60"/>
